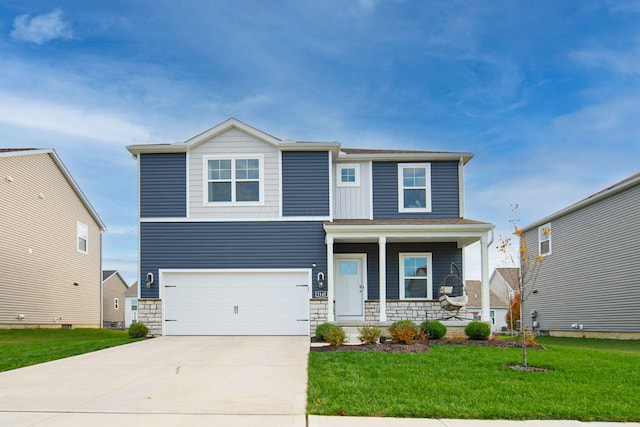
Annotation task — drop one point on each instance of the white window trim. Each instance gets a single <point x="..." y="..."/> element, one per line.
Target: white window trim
<point x="429" y="257"/>
<point x="82" y="232"/>
<point x="427" y="167"/>
<point x="355" y="167"/>
<point x="542" y="238"/>
<point x="233" y="158"/>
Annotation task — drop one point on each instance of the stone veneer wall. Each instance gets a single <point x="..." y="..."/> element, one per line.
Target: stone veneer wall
<point x="150" y="313"/>
<point x="317" y="313"/>
<point x="417" y="310"/>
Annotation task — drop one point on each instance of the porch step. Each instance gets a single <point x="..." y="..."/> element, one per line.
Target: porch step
<point x="352" y="334"/>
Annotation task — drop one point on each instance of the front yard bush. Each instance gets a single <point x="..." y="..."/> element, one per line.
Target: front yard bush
<point x="138" y="330"/>
<point x="404" y="331"/>
<point x="433" y="329"/>
<point x="320" y="330"/>
<point x="334" y="335"/>
<point x="369" y="334"/>
<point x="478" y="331"/>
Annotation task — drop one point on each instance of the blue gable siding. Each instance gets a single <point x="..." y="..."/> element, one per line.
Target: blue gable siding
<point x="444" y="191"/>
<point x="443" y="254"/>
<point x="209" y="245"/>
<point x="305" y="183"/>
<point x="163" y="180"/>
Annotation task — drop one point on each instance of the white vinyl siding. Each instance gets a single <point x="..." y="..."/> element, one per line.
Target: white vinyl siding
<point x="414" y="187"/>
<point x="234" y="144"/>
<point x="351" y="201"/>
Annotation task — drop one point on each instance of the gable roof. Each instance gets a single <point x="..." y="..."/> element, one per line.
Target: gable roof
<point x="511" y="275"/>
<point x="132" y="291"/>
<point x="340" y="154"/>
<point x="10" y="152"/>
<point x="108" y="273"/>
<point x="474" y="293"/>
<point x="616" y="188"/>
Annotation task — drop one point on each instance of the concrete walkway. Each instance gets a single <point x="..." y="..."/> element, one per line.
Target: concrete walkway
<point x="188" y="381"/>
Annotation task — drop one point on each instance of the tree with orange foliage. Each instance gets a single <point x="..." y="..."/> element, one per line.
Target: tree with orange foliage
<point x="513" y="313"/>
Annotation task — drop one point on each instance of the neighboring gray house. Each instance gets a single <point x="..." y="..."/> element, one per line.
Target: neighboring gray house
<point x="113" y="291"/>
<point x="50" y="244"/>
<point x="242" y="233"/>
<point x="589" y="283"/>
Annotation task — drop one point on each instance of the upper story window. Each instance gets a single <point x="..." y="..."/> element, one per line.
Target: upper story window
<point x="544" y="239"/>
<point x="82" y="237"/>
<point x="415" y="276"/>
<point x="348" y="175"/>
<point x="231" y="180"/>
<point x="414" y="187"/>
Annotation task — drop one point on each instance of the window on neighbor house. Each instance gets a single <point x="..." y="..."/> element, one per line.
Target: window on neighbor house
<point x="492" y="314"/>
<point x="415" y="276"/>
<point x="544" y="239"/>
<point x="134" y="305"/>
<point x="234" y="180"/>
<point x="116" y="303"/>
<point x="414" y="187"/>
<point x="82" y="237"/>
<point x="349" y="175"/>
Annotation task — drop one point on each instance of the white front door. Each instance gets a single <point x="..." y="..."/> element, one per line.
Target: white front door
<point x="351" y="286"/>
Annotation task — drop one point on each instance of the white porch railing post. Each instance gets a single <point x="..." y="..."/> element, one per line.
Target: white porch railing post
<point x="330" y="316"/>
<point x="382" y="259"/>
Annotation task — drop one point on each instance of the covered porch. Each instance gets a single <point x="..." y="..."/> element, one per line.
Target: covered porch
<point x="380" y="271"/>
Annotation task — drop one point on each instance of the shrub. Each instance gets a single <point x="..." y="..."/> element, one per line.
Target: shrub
<point x="138" y="330"/>
<point x="320" y="330"/>
<point x="478" y="330"/>
<point x="369" y="334"/>
<point x="433" y="329"/>
<point x="334" y="335"/>
<point x="404" y="331"/>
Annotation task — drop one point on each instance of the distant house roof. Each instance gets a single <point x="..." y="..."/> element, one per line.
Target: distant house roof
<point x="132" y="291"/>
<point x="511" y="275"/>
<point x="10" y="152"/>
<point x="474" y="293"/>
<point x="108" y="273"/>
<point x="616" y="188"/>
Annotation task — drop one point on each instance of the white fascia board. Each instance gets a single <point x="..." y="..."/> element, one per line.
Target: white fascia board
<point x="231" y="219"/>
<point x="615" y="189"/>
<point x="177" y="147"/>
<point x="408" y="228"/>
<point x="334" y="147"/>
<point x="411" y="157"/>
<point x="227" y="125"/>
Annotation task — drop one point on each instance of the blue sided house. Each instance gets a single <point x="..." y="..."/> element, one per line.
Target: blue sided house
<point x="242" y="233"/>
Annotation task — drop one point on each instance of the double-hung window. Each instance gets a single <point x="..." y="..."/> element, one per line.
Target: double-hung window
<point x="414" y="187"/>
<point x="415" y="276"/>
<point x="234" y="180"/>
<point x="82" y="237"/>
<point x="544" y="239"/>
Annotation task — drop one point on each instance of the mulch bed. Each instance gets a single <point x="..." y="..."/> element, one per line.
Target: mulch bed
<point x="421" y="346"/>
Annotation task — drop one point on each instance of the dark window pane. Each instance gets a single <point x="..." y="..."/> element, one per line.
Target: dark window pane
<point x="247" y="191"/>
<point x="415" y="288"/>
<point x="415" y="199"/>
<point x="219" y="191"/>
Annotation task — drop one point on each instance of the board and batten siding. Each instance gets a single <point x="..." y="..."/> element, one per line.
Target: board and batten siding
<point x="353" y="202"/>
<point x="39" y="261"/>
<point x="444" y="191"/>
<point x="305" y="183"/>
<point x="591" y="276"/>
<point x="235" y="143"/>
<point x="163" y="189"/>
<point x="237" y="245"/>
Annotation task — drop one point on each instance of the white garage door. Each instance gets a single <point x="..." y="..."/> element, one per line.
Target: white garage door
<point x="236" y="302"/>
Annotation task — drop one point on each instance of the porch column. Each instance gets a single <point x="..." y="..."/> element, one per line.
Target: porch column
<point x="382" y="267"/>
<point x="484" y="286"/>
<point x="330" y="316"/>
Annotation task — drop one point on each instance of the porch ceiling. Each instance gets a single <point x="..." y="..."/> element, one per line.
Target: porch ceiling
<point x="462" y="231"/>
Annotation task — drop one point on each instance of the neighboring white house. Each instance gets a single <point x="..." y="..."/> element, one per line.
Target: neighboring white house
<point x="131" y="305"/>
<point x="500" y="292"/>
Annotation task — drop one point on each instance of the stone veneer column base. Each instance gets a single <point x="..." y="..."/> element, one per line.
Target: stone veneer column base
<point x="317" y="314"/>
<point x="150" y="314"/>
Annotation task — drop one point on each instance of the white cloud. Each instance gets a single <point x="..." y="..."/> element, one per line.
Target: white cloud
<point x="41" y="28"/>
<point x="69" y="119"/>
<point x="626" y="63"/>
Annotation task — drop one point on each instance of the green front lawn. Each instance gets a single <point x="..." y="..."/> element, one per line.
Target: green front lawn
<point x="24" y="347"/>
<point x="587" y="380"/>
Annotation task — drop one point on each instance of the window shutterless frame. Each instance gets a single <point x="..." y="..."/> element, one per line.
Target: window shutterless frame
<point x="233" y="180"/>
<point x="415" y="275"/>
<point x="414" y="187"/>
<point x="82" y="237"/>
<point x="348" y="175"/>
<point x="544" y="239"/>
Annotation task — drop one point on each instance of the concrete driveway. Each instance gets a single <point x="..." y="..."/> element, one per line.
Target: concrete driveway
<point x="166" y="381"/>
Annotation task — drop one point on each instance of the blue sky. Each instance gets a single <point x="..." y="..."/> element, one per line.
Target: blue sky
<point x="545" y="93"/>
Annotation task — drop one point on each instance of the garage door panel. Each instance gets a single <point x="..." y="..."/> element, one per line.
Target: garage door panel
<point x="236" y="303"/>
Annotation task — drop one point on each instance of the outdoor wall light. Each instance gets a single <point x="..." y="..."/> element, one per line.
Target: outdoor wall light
<point x="149" y="279"/>
<point x="20" y="316"/>
<point x="320" y="280"/>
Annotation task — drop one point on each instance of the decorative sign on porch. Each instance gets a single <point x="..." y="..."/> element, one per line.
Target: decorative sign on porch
<point x="320" y="294"/>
